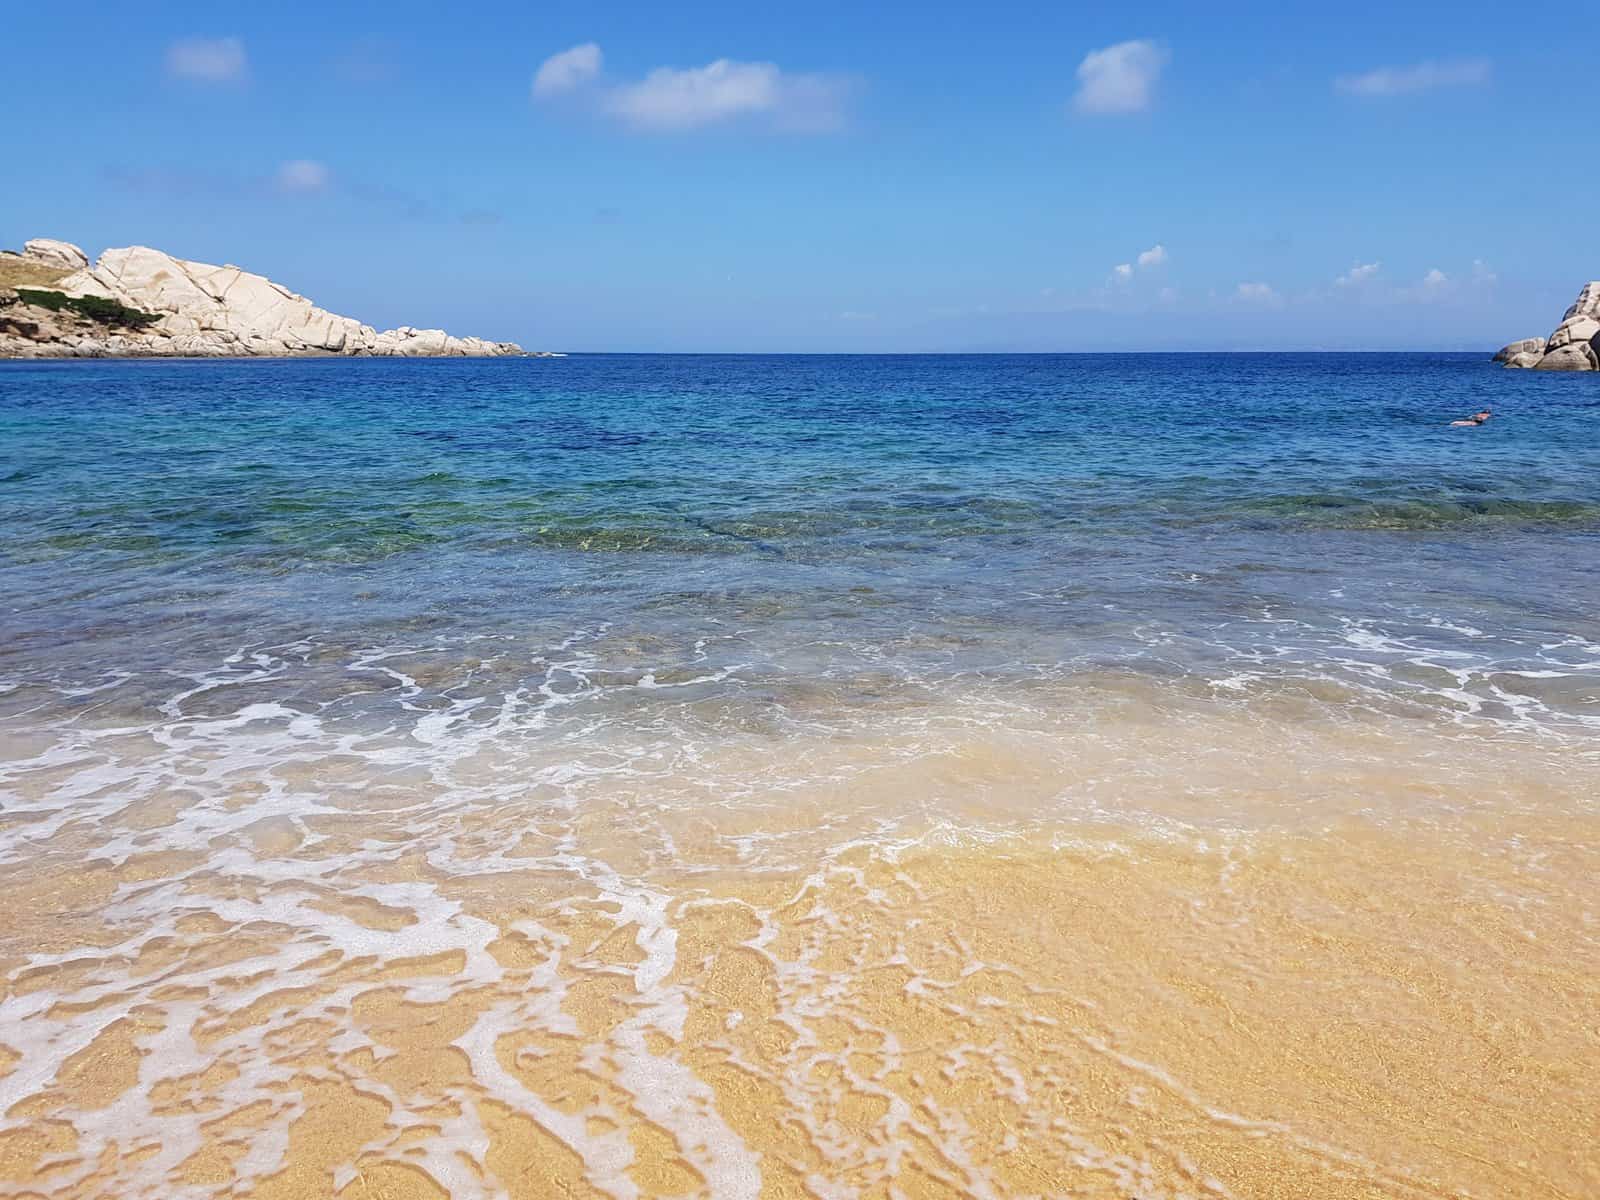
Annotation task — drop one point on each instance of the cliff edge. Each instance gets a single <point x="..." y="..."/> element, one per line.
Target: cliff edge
<point x="140" y="302"/>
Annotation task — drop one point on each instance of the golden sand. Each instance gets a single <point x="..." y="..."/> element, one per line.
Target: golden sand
<point x="1406" y="1007"/>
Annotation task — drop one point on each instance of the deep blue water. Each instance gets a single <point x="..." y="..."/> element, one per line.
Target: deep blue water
<point x="1229" y="525"/>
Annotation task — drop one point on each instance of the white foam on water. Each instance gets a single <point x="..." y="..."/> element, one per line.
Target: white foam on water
<point x="404" y="768"/>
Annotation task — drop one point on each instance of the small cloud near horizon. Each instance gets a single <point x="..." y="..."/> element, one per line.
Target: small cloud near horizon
<point x="1419" y="77"/>
<point x="207" y="60"/>
<point x="1437" y="286"/>
<point x="675" y="100"/>
<point x="1359" y="273"/>
<point x="1258" y="293"/>
<point x="1146" y="260"/>
<point x="1119" y="79"/>
<point x="303" y="176"/>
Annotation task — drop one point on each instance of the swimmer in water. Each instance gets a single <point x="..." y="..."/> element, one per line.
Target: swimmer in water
<point x="1476" y="419"/>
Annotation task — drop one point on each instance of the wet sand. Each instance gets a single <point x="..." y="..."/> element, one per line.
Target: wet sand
<point x="1221" y="957"/>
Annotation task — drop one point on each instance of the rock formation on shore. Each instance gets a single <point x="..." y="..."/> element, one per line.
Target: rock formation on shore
<point x="140" y="302"/>
<point x="1574" y="346"/>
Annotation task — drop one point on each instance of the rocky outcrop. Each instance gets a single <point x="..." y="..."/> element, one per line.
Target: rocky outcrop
<point x="1578" y="356"/>
<point x="51" y="253"/>
<point x="1574" y="329"/>
<point x="1587" y="303"/>
<point x="194" y="309"/>
<point x="1574" y="346"/>
<point x="1517" y="349"/>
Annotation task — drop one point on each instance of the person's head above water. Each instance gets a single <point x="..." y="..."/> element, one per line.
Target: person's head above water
<point x="1477" y="418"/>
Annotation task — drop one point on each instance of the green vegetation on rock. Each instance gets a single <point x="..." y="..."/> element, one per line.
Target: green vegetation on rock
<point x="98" y="309"/>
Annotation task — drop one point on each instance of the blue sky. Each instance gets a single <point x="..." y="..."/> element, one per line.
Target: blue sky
<point x="834" y="176"/>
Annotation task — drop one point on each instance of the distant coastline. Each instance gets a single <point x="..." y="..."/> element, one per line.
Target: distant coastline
<point x="136" y="302"/>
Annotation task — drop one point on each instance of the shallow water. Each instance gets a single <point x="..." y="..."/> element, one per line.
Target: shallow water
<point x="999" y="776"/>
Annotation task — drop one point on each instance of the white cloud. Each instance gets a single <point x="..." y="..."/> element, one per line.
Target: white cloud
<point x="567" y="71"/>
<point x="210" y="60"/>
<point x="303" y="175"/>
<point x="1258" y="293"/>
<point x="1120" y="78"/>
<point x="1168" y="295"/>
<point x="669" y="98"/>
<point x="1435" y="287"/>
<point x="1455" y="287"/>
<point x="1420" y="77"/>
<point x="672" y="99"/>
<point x="1359" y="273"/>
<point x="1153" y="257"/>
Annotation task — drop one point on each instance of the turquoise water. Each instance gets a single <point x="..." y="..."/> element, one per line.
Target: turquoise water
<point x="1226" y="525"/>
<point x="349" y="706"/>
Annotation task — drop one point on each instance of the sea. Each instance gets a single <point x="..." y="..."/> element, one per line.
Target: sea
<point x="766" y="776"/>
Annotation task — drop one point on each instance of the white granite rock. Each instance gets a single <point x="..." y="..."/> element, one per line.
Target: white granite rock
<point x="226" y="311"/>
<point x="1573" y="329"/>
<point x="1574" y="346"/>
<point x="1517" y="349"/>
<point x="416" y="343"/>
<point x="1575" y="356"/>
<point x="1588" y="301"/>
<point x="51" y="253"/>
